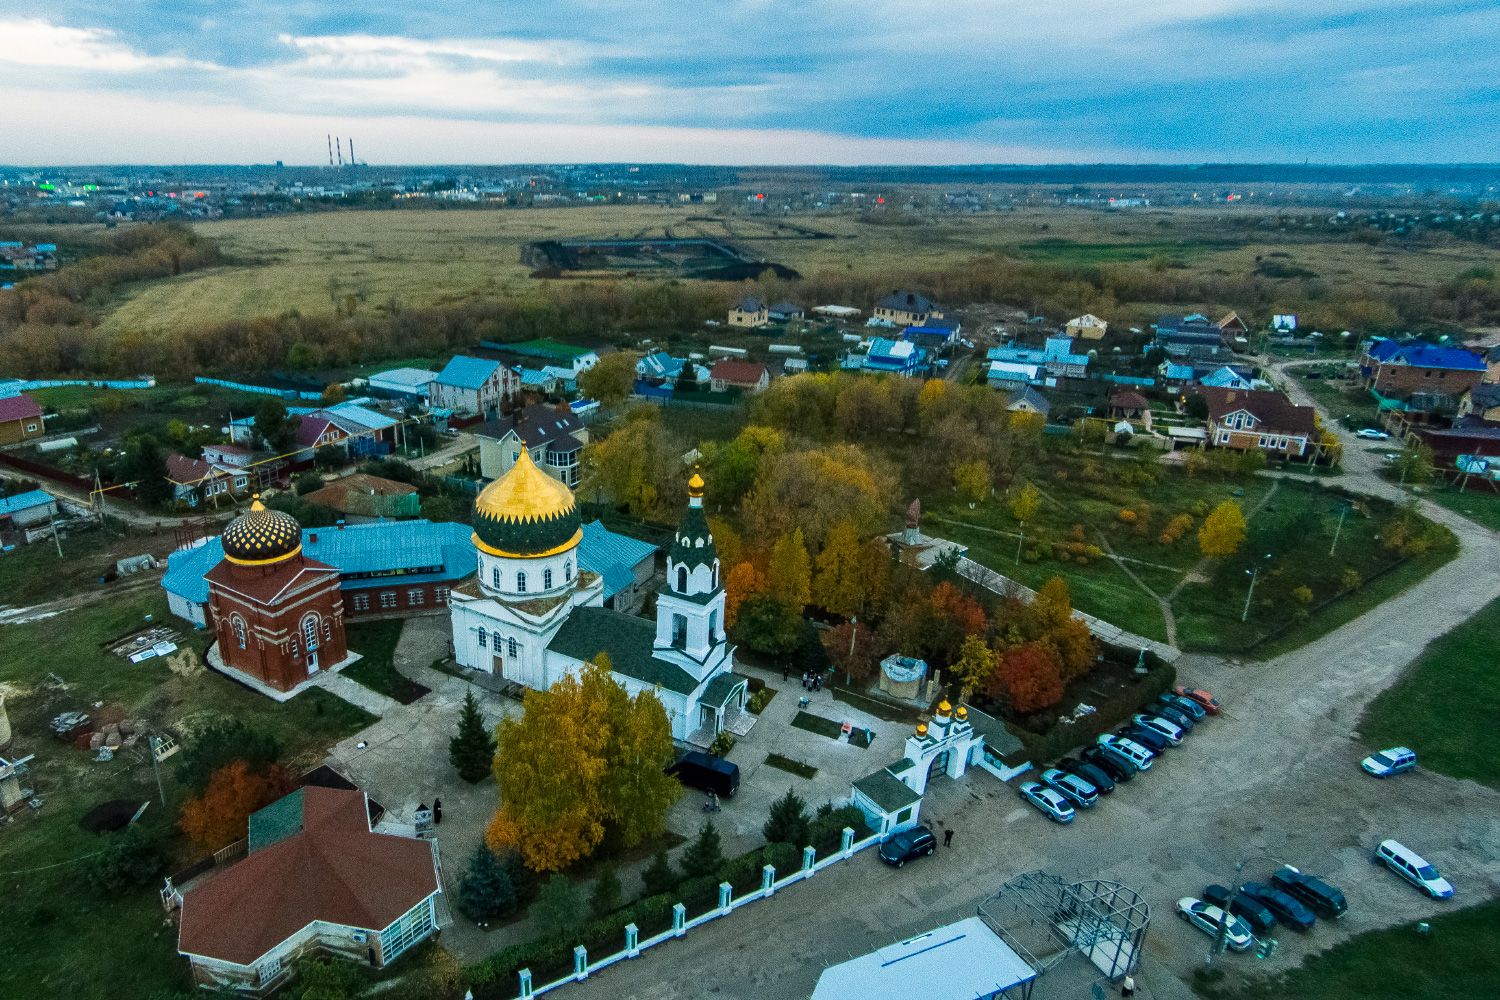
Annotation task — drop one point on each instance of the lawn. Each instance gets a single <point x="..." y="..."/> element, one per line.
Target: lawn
<point x="1479" y="502"/>
<point x="791" y="766"/>
<point x="65" y="940"/>
<point x="34" y="573"/>
<point x="1446" y="704"/>
<point x="1350" y="404"/>
<point x="376" y="669"/>
<point x="1457" y="960"/>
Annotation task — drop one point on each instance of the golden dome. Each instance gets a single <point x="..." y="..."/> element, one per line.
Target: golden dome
<point x="260" y="536"/>
<point x="963" y="712"/>
<point x="943" y="707"/>
<point x="921" y="729"/>
<point x="526" y="513"/>
<point x="695" y="485"/>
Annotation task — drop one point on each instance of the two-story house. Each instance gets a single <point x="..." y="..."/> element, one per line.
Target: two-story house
<point x="907" y="309"/>
<point x="553" y="434"/>
<point x="473" y="386"/>
<point x="195" y="481"/>
<point x="749" y="312"/>
<point x="1055" y="357"/>
<point x="1087" y="327"/>
<point x="1259" y="419"/>
<point x="1397" y="370"/>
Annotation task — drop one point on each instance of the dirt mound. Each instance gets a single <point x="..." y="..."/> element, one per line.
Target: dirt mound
<point x="109" y="816"/>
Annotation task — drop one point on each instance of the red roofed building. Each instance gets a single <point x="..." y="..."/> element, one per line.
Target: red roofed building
<point x="20" y="419"/>
<point x="317" y="878"/>
<point x="750" y="376"/>
<point x="1260" y="419"/>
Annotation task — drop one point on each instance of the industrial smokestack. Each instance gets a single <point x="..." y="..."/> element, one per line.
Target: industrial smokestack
<point x="352" y="161"/>
<point x="338" y="145"/>
<point x="330" y="149"/>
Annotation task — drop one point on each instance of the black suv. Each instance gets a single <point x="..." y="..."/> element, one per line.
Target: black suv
<point x="1287" y="909"/>
<point x="1088" y="772"/>
<point x="1111" y="763"/>
<point x="1323" y="898"/>
<point x="917" y="842"/>
<point x="1254" y="913"/>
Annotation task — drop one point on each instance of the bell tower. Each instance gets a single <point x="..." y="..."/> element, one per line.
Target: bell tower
<point x="690" y="607"/>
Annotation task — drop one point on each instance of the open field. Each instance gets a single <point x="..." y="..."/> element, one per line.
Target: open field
<point x="67" y="938"/>
<point x="1446" y="703"/>
<point x="419" y="258"/>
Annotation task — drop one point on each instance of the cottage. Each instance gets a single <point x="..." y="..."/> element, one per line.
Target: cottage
<point x="1259" y="419"/>
<point x="194" y="481"/>
<point x="1192" y="336"/>
<point x="1130" y="406"/>
<point x="660" y="368"/>
<point x="403" y="383"/>
<point x="937" y="334"/>
<point x="1055" y="356"/>
<point x="363" y="497"/>
<point x="896" y="357"/>
<point x="1008" y="374"/>
<point x="26" y="510"/>
<point x="553" y="434"/>
<point x="555" y="354"/>
<point x="1398" y="370"/>
<point x="319" y="877"/>
<point x="907" y="309"/>
<point x="1025" y="399"/>
<point x="20" y="419"/>
<point x="473" y="386"/>
<point x="749" y="312"/>
<point x="785" y="312"/>
<point x="1482" y="401"/>
<point x="731" y="373"/>
<point x="1232" y="327"/>
<point x="1087" y="327"/>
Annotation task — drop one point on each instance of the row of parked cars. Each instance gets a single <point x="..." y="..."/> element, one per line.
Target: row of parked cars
<point x="1076" y="783"/>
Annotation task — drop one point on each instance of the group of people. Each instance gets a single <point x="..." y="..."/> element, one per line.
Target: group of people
<point x="812" y="682"/>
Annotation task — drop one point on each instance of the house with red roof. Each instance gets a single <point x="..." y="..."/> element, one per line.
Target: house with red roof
<point x="20" y="419"/>
<point x="194" y="481"/>
<point x="318" y="877"/>
<point x="1259" y="419"/>
<point x="732" y="373"/>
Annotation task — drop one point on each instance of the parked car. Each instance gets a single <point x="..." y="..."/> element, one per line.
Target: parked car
<point x="1414" y="868"/>
<point x="1091" y="773"/>
<point x="917" y="842"/>
<point x="707" y="773"/>
<point x="1148" y="738"/>
<point x="1249" y="910"/>
<point x="1113" y="763"/>
<point x="1050" y="802"/>
<point x="1166" y="727"/>
<point x="1127" y="748"/>
<point x="1209" y="703"/>
<point x="1172" y="713"/>
<point x="1209" y="919"/>
<point x="1183" y="704"/>
<point x="1371" y="434"/>
<point x="1322" y="898"/>
<point x="1287" y="910"/>
<point x="1389" y="762"/>
<point x="1081" y="793"/>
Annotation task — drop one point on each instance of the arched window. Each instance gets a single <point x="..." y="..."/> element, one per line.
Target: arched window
<point x="310" y="632"/>
<point x="238" y="624"/>
<point x="495" y="576"/>
<point x="716" y="574"/>
<point x="484" y="637"/>
<point x="546" y="579"/>
<point x="568" y="571"/>
<point x="510" y="647"/>
<point x="682" y="579"/>
<point x="520" y="583"/>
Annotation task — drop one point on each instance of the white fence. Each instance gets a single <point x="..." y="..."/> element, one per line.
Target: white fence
<point x="769" y="886"/>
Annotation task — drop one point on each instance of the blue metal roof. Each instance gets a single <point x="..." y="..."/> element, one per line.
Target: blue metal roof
<point x="24" y="501"/>
<point x="1424" y="355"/>
<point x="613" y="556"/>
<point x="466" y="372"/>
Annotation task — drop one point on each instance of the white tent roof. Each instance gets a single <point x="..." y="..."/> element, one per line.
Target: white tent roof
<point x="961" y="961"/>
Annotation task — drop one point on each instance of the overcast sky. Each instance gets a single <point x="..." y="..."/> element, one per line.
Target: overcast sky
<point x="751" y="81"/>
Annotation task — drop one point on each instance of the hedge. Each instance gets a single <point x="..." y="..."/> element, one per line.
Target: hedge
<point x="1043" y="747"/>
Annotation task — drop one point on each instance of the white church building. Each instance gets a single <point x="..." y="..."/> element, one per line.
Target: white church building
<point x="533" y="614"/>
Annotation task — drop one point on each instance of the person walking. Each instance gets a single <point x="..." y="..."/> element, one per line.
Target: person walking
<point x="1127" y="987"/>
<point x="948" y="838"/>
<point x="437" y="811"/>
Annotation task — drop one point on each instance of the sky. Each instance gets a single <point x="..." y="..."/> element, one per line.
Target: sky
<point x="751" y="81"/>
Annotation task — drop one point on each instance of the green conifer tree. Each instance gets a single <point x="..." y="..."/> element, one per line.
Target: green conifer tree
<point x="472" y="751"/>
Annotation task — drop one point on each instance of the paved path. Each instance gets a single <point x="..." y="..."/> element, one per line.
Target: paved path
<point x="355" y="693"/>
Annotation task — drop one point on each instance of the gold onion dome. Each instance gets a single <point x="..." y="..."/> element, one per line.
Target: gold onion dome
<point x="695" y="485"/>
<point x="526" y="513"/>
<point x="261" y="536"/>
<point x="943" y="707"/>
<point x="921" y="729"/>
<point x="963" y="712"/>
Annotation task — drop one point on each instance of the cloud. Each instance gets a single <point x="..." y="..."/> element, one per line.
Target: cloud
<point x="36" y="43"/>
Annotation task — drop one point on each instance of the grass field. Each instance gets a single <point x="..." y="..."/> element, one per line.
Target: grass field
<point x="375" y="642"/>
<point x="303" y="261"/>
<point x="64" y="939"/>
<point x="1445" y="705"/>
<point x="1457" y="961"/>
<point x="1479" y="502"/>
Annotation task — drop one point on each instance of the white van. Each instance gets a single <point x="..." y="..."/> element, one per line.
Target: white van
<point x="1129" y="749"/>
<point x="1411" y="866"/>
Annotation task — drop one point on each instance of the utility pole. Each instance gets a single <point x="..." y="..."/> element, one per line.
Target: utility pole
<point x="1254" y="571"/>
<point x="1343" y="512"/>
<point x="54" y="537"/>
<point x="156" y="766"/>
<point x="1020" y="540"/>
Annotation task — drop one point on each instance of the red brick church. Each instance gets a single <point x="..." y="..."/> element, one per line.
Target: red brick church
<point x="278" y="614"/>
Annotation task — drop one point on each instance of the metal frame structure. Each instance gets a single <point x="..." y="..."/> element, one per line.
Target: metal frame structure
<point x="1046" y="919"/>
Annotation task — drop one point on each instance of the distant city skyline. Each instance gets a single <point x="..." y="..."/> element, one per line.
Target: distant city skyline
<point x="749" y="81"/>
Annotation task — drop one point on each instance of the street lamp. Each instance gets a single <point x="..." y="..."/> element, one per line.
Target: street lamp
<point x="1253" y="572"/>
<point x="1020" y="539"/>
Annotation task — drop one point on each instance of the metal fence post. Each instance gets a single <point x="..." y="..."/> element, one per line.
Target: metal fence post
<point x="768" y="879"/>
<point x="725" y="892"/>
<point x="580" y="962"/>
<point x="632" y="940"/>
<point x="679" y="920"/>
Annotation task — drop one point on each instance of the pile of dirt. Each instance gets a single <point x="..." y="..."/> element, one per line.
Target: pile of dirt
<point x="109" y="816"/>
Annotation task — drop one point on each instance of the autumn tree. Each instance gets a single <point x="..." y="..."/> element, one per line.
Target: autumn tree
<point x="974" y="666"/>
<point x="851" y="648"/>
<point x="1027" y="676"/>
<point x="952" y="616"/>
<point x="816" y="489"/>
<point x="875" y="573"/>
<point x="612" y="380"/>
<point x="1223" y="531"/>
<point x="638" y="466"/>
<point x="220" y="744"/>
<point x="789" y="574"/>
<point x="838" y="585"/>
<point x="472" y="751"/>
<point x="744" y="581"/>
<point x="768" y="625"/>
<point x="728" y="542"/>
<point x="1025" y="504"/>
<point x="218" y="817"/>
<point x="637" y="791"/>
<point x="972" y="481"/>
<point x="733" y="467"/>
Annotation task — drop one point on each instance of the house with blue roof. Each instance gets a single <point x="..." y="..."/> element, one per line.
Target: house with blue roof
<point x="27" y="509"/>
<point x="627" y="565"/>
<point x="1400" y="369"/>
<point x="1056" y="357"/>
<point x="473" y="387"/>
<point x="893" y="357"/>
<point x="661" y="369"/>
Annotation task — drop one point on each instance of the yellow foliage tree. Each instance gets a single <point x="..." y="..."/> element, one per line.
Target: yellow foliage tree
<point x="1223" y="531"/>
<point x="1025" y="504"/>
<point x="972" y="480"/>
<point x="743" y="581"/>
<point x="837" y="584"/>
<point x="789" y="575"/>
<point x="974" y="666"/>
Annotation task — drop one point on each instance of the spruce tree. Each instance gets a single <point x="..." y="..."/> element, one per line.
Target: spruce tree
<point x="472" y="751"/>
<point x="485" y="892"/>
<point x="703" y="856"/>
<point x="606" y="895"/>
<point x="559" y="907"/>
<point x="788" y="822"/>
<point x="658" y="876"/>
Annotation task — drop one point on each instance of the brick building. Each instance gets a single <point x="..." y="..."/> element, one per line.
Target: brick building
<point x="1398" y="370"/>
<point x="278" y="615"/>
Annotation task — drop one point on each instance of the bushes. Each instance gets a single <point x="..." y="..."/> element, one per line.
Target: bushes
<point x="132" y="859"/>
<point x="1047" y="746"/>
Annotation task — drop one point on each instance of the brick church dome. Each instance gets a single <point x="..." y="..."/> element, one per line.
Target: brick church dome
<point x="261" y="536"/>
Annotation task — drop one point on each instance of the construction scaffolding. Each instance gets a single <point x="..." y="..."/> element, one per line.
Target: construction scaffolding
<point x="1045" y="919"/>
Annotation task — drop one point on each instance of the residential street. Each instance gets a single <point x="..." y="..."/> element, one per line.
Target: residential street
<point x="1273" y="780"/>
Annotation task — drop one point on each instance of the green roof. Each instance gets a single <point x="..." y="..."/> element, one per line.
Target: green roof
<point x="546" y="348"/>
<point x="527" y="536"/>
<point x="997" y="737"/>
<point x="627" y="639"/>
<point x="276" y="822"/>
<point x="721" y="687"/>
<point x="694" y="528"/>
<point x="887" y="791"/>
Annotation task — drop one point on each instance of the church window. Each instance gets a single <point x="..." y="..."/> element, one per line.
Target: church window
<point x="238" y="624"/>
<point x="568" y="571"/>
<point x="495" y="576"/>
<point x="679" y="631"/>
<point x="713" y="624"/>
<point x="546" y="579"/>
<point x="716" y="574"/>
<point x="484" y="637"/>
<point x="698" y="544"/>
<point x="294" y="646"/>
<point x="510" y="647"/>
<point x="520" y="583"/>
<point x="310" y="632"/>
<point x="327" y="631"/>
<point x="682" y="578"/>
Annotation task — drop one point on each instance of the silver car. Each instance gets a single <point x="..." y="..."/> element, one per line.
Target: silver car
<point x="1081" y="793"/>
